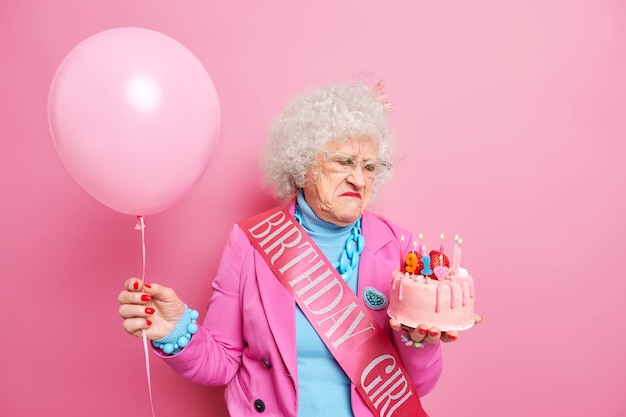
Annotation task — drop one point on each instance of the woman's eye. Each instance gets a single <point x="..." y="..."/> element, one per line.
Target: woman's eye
<point x="346" y="162"/>
<point x="370" y="167"/>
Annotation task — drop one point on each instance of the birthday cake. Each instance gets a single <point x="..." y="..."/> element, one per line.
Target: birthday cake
<point x="429" y="290"/>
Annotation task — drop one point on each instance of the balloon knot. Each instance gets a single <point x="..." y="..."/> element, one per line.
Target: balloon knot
<point x="140" y="224"/>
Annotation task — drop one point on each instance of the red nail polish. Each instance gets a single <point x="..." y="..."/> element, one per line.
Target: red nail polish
<point x="451" y="337"/>
<point x="136" y="285"/>
<point x="422" y="331"/>
<point x="147" y="285"/>
<point x="148" y="322"/>
<point x="149" y="310"/>
<point x="145" y="297"/>
<point x="433" y="333"/>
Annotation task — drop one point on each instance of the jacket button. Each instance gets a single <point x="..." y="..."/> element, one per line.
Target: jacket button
<point x="259" y="405"/>
<point x="266" y="363"/>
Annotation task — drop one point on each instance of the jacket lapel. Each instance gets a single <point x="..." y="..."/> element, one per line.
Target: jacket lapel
<point x="376" y="264"/>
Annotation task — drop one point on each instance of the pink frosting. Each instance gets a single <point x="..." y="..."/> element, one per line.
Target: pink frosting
<point x="447" y="304"/>
<point x="451" y="283"/>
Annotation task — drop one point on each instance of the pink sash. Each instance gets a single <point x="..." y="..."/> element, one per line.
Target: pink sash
<point x="340" y="318"/>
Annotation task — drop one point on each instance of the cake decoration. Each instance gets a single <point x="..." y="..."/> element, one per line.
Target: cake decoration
<point x="426" y="260"/>
<point x="438" y="259"/>
<point x="411" y="262"/>
<point x="441" y="272"/>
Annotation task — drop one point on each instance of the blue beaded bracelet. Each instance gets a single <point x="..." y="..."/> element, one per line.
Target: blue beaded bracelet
<point x="182" y="341"/>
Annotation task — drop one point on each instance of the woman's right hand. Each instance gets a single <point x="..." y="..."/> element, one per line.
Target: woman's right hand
<point x="152" y="307"/>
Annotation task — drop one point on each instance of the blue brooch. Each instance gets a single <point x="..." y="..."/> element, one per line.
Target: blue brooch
<point x="374" y="299"/>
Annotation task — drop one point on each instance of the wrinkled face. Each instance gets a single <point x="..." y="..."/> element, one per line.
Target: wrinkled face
<point x="338" y="194"/>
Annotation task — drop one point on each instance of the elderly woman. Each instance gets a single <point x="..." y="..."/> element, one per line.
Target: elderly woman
<point x="326" y="154"/>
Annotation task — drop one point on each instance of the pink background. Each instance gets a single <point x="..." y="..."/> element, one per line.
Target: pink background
<point x="510" y="117"/>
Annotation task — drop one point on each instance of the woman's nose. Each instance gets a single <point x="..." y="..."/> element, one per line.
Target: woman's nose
<point x="357" y="176"/>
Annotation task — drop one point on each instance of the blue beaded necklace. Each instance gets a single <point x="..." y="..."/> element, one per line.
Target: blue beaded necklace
<point x="352" y="250"/>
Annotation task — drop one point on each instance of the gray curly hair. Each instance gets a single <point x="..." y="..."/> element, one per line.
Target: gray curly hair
<point x="316" y="117"/>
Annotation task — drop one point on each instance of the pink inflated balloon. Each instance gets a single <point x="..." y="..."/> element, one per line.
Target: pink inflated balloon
<point x="134" y="117"/>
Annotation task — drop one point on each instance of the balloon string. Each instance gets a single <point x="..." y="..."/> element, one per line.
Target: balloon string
<point x="141" y="226"/>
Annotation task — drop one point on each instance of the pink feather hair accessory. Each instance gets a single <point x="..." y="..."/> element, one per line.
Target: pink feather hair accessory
<point x="378" y="90"/>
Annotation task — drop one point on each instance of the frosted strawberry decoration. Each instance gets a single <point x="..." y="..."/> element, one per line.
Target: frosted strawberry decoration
<point x="440" y="264"/>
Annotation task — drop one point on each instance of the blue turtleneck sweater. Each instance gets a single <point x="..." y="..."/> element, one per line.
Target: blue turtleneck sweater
<point x="324" y="389"/>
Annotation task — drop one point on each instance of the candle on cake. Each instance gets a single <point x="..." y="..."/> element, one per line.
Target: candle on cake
<point x="420" y="246"/>
<point x="426" y="260"/>
<point x="458" y="262"/>
<point x="457" y="255"/>
<point x="410" y="263"/>
<point x="401" y="257"/>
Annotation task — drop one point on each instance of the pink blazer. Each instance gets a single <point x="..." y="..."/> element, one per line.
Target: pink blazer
<point x="247" y="340"/>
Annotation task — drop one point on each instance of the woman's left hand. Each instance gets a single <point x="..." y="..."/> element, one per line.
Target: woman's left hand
<point x="423" y="334"/>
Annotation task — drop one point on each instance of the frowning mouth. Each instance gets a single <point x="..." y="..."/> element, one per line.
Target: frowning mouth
<point x="350" y="194"/>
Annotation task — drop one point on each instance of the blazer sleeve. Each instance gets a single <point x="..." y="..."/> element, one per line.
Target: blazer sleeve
<point x="424" y="365"/>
